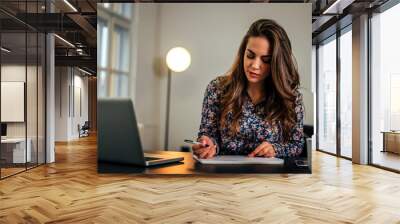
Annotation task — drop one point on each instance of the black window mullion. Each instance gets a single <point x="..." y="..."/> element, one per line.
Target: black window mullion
<point x="26" y="86"/>
<point x="37" y="91"/>
<point x="369" y="90"/>
<point x="45" y="94"/>
<point x="44" y="72"/>
<point x="338" y="73"/>
<point x="317" y="95"/>
<point x="73" y="91"/>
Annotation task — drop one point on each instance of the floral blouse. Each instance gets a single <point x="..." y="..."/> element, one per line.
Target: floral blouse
<point x="253" y="129"/>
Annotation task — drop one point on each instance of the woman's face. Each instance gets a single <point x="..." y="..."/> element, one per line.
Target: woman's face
<point x="257" y="58"/>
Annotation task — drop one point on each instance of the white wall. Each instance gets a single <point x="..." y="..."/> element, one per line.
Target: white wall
<point x="14" y="73"/>
<point x="33" y="126"/>
<point x="79" y="117"/>
<point x="50" y="95"/>
<point x="61" y="103"/>
<point x="212" y="34"/>
<point x="68" y="83"/>
<point x="17" y="73"/>
<point x="147" y="85"/>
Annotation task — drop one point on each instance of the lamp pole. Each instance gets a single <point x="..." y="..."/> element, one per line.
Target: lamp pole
<point x="178" y="60"/>
<point x="167" y="110"/>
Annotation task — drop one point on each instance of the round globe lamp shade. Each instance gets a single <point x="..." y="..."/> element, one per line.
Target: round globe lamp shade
<point x="178" y="59"/>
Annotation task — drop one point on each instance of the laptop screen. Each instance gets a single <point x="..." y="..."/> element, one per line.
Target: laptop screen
<point x="118" y="134"/>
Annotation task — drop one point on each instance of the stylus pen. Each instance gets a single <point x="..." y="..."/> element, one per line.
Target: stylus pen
<point x="194" y="142"/>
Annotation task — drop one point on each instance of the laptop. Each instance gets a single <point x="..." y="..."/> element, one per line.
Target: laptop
<point x="118" y="137"/>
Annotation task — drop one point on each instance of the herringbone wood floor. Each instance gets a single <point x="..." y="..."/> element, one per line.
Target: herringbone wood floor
<point x="71" y="191"/>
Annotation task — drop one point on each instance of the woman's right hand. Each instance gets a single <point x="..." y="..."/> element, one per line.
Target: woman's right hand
<point x="203" y="152"/>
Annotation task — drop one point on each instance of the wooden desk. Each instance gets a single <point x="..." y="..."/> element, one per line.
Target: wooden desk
<point x="190" y="166"/>
<point x="391" y="141"/>
<point x="14" y="148"/>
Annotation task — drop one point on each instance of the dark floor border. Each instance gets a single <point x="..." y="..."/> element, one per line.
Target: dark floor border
<point x="29" y="168"/>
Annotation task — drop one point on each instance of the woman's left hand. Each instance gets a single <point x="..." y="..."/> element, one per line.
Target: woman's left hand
<point x="265" y="149"/>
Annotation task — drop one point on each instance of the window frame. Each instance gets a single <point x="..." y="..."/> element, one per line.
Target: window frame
<point x="379" y="10"/>
<point x="113" y="19"/>
<point x="334" y="37"/>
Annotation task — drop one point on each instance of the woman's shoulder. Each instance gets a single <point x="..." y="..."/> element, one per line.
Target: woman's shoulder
<point x="219" y="81"/>
<point x="217" y="84"/>
<point x="215" y="89"/>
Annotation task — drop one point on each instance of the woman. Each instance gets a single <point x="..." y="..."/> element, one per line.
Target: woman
<point x="256" y="109"/>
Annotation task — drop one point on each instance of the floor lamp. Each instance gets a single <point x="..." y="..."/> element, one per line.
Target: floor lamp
<point x="178" y="60"/>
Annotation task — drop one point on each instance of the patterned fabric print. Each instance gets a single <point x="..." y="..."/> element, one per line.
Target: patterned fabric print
<point x="253" y="129"/>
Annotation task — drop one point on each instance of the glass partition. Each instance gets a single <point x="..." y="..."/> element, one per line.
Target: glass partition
<point x="22" y="91"/>
<point x="41" y="97"/>
<point x="385" y="89"/>
<point x="14" y="144"/>
<point x="327" y="95"/>
<point x="31" y="99"/>
<point x="346" y="93"/>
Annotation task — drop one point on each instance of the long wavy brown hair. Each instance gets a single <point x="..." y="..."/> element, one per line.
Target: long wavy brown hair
<point x="280" y="85"/>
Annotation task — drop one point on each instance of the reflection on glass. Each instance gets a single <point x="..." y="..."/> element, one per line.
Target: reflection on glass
<point x="22" y="93"/>
<point x="327" y="96"/>
<point x="394" y="101"/>
<point x="14" y="150"/>
<point x="346" y="94"/>
<point x="41" y="100"/>
<point x="31" y="99"/>
<point x="123" y="9"/>
<point x="113" y="45"/>
<point x="102" y="42"/>
<point x="102" y="83"/>
<point x="121" y="49"/>
<point x="124" y="89"/>
<point x="385" y="86"/>
<point x="119" y="86"/>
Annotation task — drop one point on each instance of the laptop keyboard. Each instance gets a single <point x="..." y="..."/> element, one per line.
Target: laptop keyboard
<point x="150" y="158"/>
